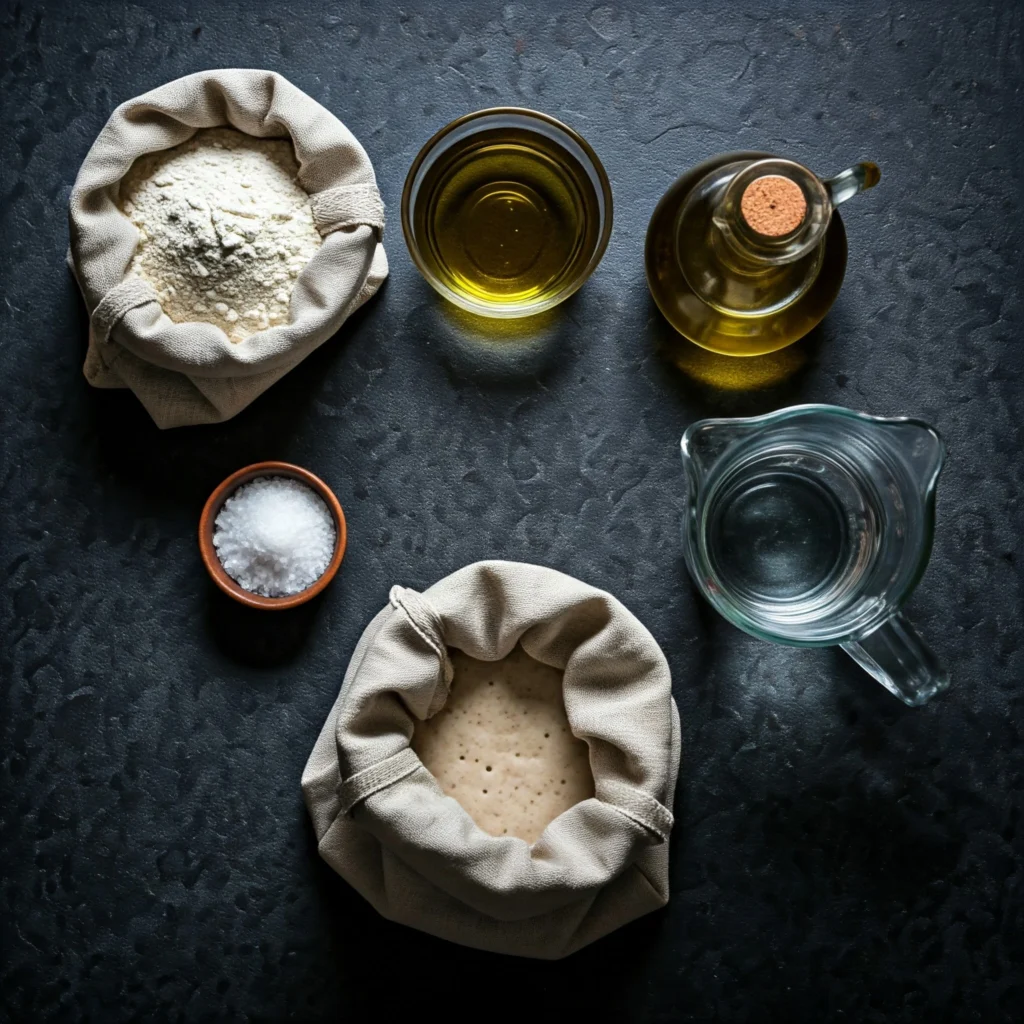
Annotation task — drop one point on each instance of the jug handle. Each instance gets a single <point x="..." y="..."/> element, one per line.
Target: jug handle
<point x="846" y="184"/>
<point x="901" y="661"/>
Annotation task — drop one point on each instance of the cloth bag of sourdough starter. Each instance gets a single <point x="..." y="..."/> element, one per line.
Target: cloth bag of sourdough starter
<point x="384" y="824"/>
<point x="187" y="373"/>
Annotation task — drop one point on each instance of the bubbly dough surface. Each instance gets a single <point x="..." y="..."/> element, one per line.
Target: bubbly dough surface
<point x="502" y="745"/>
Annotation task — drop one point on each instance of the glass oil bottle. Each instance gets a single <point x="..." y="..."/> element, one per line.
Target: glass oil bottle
<point x="745" y="253"/>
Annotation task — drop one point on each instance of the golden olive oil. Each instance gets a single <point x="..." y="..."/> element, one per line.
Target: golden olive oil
<point x="507" y="217"/>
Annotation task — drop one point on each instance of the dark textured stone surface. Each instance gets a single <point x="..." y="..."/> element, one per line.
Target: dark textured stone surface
<point x="836" y="856"/>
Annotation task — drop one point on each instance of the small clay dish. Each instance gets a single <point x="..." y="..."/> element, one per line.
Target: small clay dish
<point x="215" y="502"/>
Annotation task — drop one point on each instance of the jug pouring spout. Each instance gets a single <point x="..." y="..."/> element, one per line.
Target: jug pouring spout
<point x="704" y="443"/>
<point x="921" y="450"/>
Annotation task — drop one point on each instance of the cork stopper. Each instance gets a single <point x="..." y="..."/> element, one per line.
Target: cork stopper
<point x="773" y="205"/>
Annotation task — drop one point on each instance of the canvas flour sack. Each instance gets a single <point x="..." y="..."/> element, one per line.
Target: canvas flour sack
<point x="190" y="373"/>
<point x="384" y="824"/>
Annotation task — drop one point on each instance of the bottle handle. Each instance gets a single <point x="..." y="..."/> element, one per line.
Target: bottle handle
<point x="846" y="184"/>
<point x="901" y="661"/>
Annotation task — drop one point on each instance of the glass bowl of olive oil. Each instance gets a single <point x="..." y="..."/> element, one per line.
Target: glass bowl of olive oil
<point x="506" y="212"/>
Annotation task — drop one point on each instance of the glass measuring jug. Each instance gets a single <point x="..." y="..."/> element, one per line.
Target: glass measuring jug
<point x="745" y="253"/>
<point x="810" y="526"/>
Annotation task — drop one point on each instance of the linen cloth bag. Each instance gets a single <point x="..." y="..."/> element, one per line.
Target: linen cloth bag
<point x="384" y="824"/>
<point x="191" y="373"/>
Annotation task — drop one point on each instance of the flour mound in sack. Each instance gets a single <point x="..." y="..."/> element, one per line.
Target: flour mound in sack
<point x="224" y="226"/>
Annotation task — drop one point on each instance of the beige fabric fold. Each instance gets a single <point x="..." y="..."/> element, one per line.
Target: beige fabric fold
<point x="384" y="824"/>
<point x="191" y="373"/>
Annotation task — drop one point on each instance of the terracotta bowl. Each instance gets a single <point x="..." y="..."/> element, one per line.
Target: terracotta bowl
<point x="224" y="491"/>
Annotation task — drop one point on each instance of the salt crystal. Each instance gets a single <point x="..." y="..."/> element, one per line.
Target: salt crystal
<point x="274" y="536"/>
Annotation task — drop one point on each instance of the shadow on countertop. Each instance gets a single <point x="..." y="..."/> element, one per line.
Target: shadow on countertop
<point x="257" y="638"/>
<point x="361" y="940"/>
<point x="181" y="465"/>
<point x="494" y="352"/>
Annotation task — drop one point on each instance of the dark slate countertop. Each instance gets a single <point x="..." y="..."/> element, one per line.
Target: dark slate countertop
<point x="836" y="855"/>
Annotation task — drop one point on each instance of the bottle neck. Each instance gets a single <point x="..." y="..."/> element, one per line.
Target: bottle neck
<point x="771" y="213"/>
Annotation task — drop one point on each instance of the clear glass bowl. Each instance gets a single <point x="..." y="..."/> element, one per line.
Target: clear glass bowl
<point x="550" y="133"/>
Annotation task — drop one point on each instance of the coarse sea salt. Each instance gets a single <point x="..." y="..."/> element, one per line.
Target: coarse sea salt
<point x="274" y="536"/>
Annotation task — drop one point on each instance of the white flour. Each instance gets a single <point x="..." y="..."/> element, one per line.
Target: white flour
<point x="224" y="229"/>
